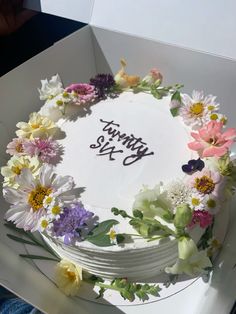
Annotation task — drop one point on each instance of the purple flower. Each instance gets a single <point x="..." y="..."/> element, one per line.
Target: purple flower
<point x="71" y="222"/>
<point x="103" y="84"/>
<point x="45" y="149"/>
<point x="193" y="165"/>
<point x="84" y="93"/>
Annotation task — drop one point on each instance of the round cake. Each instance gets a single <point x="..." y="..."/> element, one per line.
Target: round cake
<point x="122" y="176"/>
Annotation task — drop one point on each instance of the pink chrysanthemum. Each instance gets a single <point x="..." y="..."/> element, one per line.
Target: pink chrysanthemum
<point x="83" y="93"/>
<point x="46" y="149"/>
<point x="201" y="217"/>
<point x="15" y="147"/>
<point x="210" y="141"/>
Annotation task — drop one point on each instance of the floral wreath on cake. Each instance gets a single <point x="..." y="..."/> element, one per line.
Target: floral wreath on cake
<point x="43" y="201"/>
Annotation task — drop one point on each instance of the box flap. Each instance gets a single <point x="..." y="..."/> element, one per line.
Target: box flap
<point x="200" y="25"/>
<point x="79" y="10"/>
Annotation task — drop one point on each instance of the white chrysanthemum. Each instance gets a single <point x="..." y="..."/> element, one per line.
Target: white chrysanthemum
<point x="152" y="202"/>
<point x="38" y="127"/>
<point x="197" y="110"/>
<point x="27" y="201"/>
<point x="50" y="89"/>
<point x="177" y="192"/>
<point x="68" y="277"/>
<point x="14" y="167"/>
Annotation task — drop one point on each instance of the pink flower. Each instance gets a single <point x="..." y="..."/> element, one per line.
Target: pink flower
<point x="211" y="141"/>
<point x="201" y="217"/>
<point x="15" y="147"/>
<point x="46" y="149"/>
<point x="83" y="93"/>
<point x="153" y="76"/>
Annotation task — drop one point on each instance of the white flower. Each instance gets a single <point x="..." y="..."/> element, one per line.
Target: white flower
<point x="191" y="261"/>
<point x="196" y="201"/>
<point x="197" y="110"/>
<point x="44" y="223"/>
<point x="55" y="108"/>
<point x="177" y="192"/>
<point x="27" y="201"/>
<point x="112" y="234"/>
<point x="152" y="202"/>
<point x="68" y="277"/>
<point x="50" y="88"/>
<point x="14" y="167"/>
<point x="38" y="127"/>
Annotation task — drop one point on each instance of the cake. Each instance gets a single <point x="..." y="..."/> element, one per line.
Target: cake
<point x="123" y="177"/>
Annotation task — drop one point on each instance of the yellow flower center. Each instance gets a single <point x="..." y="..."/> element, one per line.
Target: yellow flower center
<point x="56" y="210"/>
<point x="204" y="185"/>
<point x="195" y="201"/>
<point x="35" y="126"/>
<point x="16" y="170"/>
<point x="71" y="275"/>
<point x="197" y="109"/>
<point x="214" y="116"/>
<point x="223" y="120"/>
<point x="112" y="234"/>
<point x="59" y="102"/>
<point x="44" y="223"/>
<point x="211" y="203"/>
<point x="19" y="148"/>
<point x="48" y="200"/>
<point x="36" y="197"/>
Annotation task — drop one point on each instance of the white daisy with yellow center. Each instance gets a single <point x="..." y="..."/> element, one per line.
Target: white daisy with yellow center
<point x="28" y="200"/>
<point x="198" y="109"/>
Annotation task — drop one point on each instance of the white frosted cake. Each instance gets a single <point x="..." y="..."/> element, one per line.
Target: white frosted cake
<point x="123" y="177"/>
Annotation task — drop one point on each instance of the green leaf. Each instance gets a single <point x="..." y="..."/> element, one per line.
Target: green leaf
<point x="174" y="111"/>
<point x="17" y="239"/>
<point x="176" y="96"/>
<point x="100" y="240"/>
<point x="127" y="295"/>
<point x="137" y="214"/>
<point x="102" y="228"/>
<point x="39" y="257"/>
<point x="120" y="238"/>
<point x="100" y="293"/>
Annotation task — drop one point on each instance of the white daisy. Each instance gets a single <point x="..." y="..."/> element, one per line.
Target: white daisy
<point x="196" y="201"/>
<point x="197" y="110"/>
<point x="27" y="201"/>
<point x="112" y="234"/>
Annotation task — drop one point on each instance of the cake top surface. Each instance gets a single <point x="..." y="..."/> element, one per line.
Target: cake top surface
<point x="121" y="145"/>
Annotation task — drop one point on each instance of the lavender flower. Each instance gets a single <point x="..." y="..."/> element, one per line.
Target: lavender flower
<point x="103" y="84"/>
<point x="71" y="222"/>
<point x="45" y="149"/>
<point x="193" y="165"/>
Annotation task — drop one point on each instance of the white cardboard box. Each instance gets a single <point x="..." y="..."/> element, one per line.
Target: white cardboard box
<point x="78" y="57"/>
